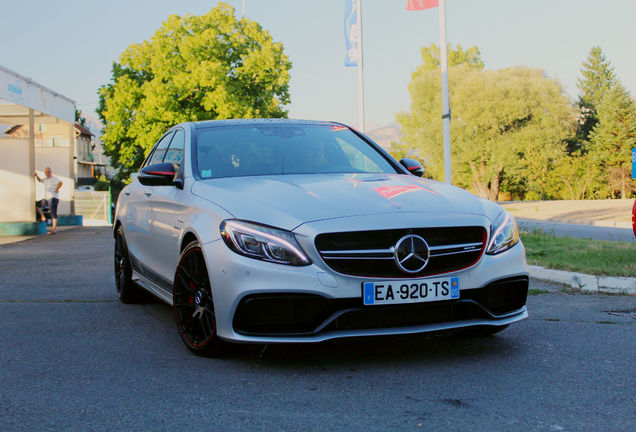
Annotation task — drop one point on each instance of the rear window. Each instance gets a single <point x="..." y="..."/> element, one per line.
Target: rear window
<point x="248" y="150"/>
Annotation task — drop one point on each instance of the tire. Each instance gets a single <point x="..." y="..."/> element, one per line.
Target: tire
<point x="127" y="291"/>
<point x="481" y="331"/>
<point x="193" y="304"/>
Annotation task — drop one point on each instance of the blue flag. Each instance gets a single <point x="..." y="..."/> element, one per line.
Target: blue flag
<point x="352" y="33"/>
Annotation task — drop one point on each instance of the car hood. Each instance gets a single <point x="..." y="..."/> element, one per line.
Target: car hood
<point x="287" y="201"/>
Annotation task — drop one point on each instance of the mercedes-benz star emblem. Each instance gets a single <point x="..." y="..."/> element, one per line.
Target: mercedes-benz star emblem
<point x="198" y="297"/>
<point x="411" y="253"/>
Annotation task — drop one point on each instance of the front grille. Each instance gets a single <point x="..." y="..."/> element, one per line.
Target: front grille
<point x="397" y="316"/>
<point x="502" y="296"/>
<point x="287" y="314"/>
<point x="296" y="314"/>
<point x="371" y="253"/>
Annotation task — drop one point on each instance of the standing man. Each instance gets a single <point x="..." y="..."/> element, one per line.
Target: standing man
<point x="52" y="186"/>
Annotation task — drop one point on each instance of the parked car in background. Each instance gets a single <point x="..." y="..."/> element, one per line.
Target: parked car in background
<point x="634" y="218"/>
<point x="274" y="231"/>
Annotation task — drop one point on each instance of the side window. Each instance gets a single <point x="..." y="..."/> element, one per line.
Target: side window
<point x="175" y="151"/>
<point x="160" y="150"/>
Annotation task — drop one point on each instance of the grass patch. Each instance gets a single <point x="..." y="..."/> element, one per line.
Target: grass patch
<point x="536" y="291"/>
<point x="596" y="257"/>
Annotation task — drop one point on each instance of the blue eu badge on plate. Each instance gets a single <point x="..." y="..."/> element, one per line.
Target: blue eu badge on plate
<point x="369" y="293"/>
<point x="454" y="287"/>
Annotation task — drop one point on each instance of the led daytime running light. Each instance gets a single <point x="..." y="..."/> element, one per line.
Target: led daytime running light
<point x="233" y="229"/>
<point x="499" y="227"/>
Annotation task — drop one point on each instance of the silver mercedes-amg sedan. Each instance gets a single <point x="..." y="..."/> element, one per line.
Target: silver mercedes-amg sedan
<point x="273" y="231"/>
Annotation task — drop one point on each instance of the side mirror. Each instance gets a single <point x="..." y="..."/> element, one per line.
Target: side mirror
<point x="413" y="166"/>
<point x="161" y="174"/>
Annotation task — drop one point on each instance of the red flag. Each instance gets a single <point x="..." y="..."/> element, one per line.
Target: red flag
<point x="421" y="4"/>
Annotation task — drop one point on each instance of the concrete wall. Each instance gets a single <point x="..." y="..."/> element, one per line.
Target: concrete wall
<point x="15" y="181"/>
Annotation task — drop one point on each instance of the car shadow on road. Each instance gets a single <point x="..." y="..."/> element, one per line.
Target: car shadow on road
<point x="376" y="351"/>
<point x="351" y="352"/>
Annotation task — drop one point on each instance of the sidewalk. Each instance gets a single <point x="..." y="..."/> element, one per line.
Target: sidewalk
<point x="607" y="213"/>
<point x="4" y="240"/>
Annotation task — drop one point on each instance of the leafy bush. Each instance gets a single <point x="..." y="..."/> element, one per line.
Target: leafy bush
<point x="102" y="184"/>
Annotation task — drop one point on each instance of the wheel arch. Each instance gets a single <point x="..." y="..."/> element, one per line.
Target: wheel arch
<point x="203" y="227"/>
<point x="116" y="226"/>
<point x="188" y="238"/>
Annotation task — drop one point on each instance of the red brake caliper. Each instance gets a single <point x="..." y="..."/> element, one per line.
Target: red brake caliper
<point x="190" y="297"/>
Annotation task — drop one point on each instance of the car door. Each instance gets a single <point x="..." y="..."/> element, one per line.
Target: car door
<point x="168" y="210"/>
<point x="138" y="233"/>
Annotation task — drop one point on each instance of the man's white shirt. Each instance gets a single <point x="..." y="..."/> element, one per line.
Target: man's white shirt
<point x="50" y="186"/>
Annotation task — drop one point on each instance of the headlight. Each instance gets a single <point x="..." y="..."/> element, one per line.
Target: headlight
<point x="503" y="234"/>
<point x="262" y="242"/>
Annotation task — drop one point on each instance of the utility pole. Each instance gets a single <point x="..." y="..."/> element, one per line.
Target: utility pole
<point x="446" y="113"/>
<point x="360" y="69"/>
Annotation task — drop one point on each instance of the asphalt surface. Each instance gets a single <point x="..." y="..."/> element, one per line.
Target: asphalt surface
<point x="73" y="358"/>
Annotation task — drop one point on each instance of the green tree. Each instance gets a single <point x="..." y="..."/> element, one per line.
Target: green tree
<point x="79" y="117"/>
<point x="508" y="128"/>
<point x="193" y="68"/>
<point x="431" y="61"/>
<point x="456" y="56"/>
<point x="613" y="138"/>
<point x="597" y="78"/>
<point x="577" y="176"/>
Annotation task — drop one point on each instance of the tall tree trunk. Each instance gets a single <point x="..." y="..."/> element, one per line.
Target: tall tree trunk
<point x="478" y="174"/>
<point x="569" y="185"/>
<point x="495" y="183"/>
<point x="623" y="184"/>
<point x="588" y="179"/>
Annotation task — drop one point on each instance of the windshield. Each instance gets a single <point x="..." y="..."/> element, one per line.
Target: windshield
<point x="247" y="150"/>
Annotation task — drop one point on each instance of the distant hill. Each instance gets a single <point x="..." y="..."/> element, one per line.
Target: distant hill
<point x="385" y="136"/>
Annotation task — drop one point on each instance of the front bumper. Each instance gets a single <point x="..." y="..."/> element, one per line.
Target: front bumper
<point x="261" y="302"/>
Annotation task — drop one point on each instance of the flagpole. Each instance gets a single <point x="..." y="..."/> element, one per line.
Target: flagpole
<point x="244" y="9"/>
<point x="446" y="113"/>
<point x="360" y="69"/>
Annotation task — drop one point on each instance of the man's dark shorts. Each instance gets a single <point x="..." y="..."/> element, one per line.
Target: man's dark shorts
<point x="53" y="207"/>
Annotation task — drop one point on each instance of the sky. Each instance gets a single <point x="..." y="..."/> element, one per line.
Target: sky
<point x="69" y="45"/>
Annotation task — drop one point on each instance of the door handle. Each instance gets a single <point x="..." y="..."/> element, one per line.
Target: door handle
<point x="127" y="193"/>
<point x="147" y="194"/>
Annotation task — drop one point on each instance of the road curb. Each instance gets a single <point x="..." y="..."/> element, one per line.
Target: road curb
<point x="584" y="282"/>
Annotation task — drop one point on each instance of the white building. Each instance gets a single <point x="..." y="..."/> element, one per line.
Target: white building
<point x="25" y="103"/>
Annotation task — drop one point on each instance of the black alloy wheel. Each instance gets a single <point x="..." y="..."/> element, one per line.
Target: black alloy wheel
<point x="193" y="304"/>
<point x="127" y="291"/>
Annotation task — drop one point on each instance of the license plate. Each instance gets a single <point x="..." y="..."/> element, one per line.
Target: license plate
<point x="411" y="291"/>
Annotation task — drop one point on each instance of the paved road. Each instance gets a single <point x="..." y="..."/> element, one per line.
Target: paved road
<point x="74" y="358"/>
<point x="578" y="231"/>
